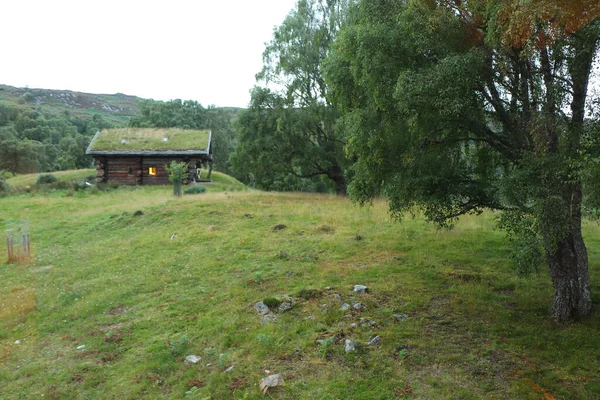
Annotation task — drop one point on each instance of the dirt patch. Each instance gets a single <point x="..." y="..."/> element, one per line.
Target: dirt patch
<point x="195" y="382"/>
<point x="279" y="227"/>
<point x="238" y="383"/>
<point x="118" y="310"/>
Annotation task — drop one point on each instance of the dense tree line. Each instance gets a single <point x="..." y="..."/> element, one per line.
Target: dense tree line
<point x="287" y="139"/>
<point x="189" y="114"/>
<point x="33" y="142"/>
<point x="449" y="106"/>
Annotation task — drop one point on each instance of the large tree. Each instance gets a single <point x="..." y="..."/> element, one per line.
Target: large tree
<point x="460" y="106"/>
<point x="295" y="98"/>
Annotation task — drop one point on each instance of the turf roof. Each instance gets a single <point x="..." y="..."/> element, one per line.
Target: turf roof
<point x="150" y="139"/>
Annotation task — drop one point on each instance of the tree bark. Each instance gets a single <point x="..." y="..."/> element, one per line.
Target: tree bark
<point x="568" y="264"/>
<point x="336" y="174"/>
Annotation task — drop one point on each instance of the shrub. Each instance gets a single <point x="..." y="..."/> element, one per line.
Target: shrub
<point x="45" y="179"/>
<point x="4" y="187"/>
<point x="178" y="171"/>
<point x="6" y="174"/>
<point x="196" y="189"/>
<point x="271" y="302"/>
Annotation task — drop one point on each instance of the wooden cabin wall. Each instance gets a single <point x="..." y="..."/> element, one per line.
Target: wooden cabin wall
<point x="134" y="170"/>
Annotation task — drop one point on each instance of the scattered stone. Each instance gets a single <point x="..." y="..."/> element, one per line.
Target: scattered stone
<point x="228" y="370"/>
<point x="192" y="359"/>
<point x="360" y="289"/>
<point x="310" y="318"/>
<point x="268" y="318"/>
<point x="17" y="342"/>
<point x="271" y="381"/>
<point x="375" y="341"/>
<point x="353" y="325"/>
<point x="138" y="213"/>
<point x="289" y="299"/>
<point x="400" y="317"/>
<point x="323" y="307"/>
<point x="285" y="307"/>
<point x="248" y="215"/>
<point x="367" y="322"/>
<point x="328" y="288"/>
<point x="357" y="238"/>
<point x="338" y="297"/>
<point x="279" y="227"/>
<point x="261" y="308"/>
<point x="350" y="346"/>
<point x="358" y="306"/>
<point x="345" y="307"/>
<point x="173" y="236"/>
<point x="82" y="347"/>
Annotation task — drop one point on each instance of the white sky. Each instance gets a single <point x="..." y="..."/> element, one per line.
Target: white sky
<point x="203" y="50"/>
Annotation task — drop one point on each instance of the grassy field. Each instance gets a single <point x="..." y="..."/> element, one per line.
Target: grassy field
<point x="141" y="291"/>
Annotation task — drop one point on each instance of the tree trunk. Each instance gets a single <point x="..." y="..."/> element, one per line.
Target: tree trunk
<point x="568" y="264"/>
<point x="336" y="174"/>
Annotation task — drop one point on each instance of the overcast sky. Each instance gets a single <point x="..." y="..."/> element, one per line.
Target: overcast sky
<point x="204" y="50"/>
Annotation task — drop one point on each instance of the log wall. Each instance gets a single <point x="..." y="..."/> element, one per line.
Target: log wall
<point x="135" y="170"/>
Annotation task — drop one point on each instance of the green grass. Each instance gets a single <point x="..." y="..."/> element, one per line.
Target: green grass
<point x="151" y="139"/>
<point x="22" y="181"/>
<point x="141" y="292"/>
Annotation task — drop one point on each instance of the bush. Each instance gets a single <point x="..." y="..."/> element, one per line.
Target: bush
<point x="271" y="302"/>
<point x="45" y="179"/>
<point x="6" y="174"/>
<point x="196" y="189"/>
<point x="4" y="187"/>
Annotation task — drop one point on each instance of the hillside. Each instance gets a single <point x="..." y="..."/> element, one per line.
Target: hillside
<point x="127" y="283"/>
<point x="116" y="108"/>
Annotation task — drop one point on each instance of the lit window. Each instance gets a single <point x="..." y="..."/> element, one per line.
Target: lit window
<point x="151" y="171"/>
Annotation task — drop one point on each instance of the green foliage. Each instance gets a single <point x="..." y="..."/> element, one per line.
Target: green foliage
<point x="196" y="189"/>
<point x="179" y="346"/>
<point x="4" y="187"/>
<point x="287" y="139"/>
<point x="178" y="172"/>
<point x="271" y="302"/>
<point x="441" y="115"/>
<point x="308" y="294"/>
<point x="46" y="178"/>
<point x="31" y="141"/>
<point x="325" y="347"/>
<point x="189" y="114"/>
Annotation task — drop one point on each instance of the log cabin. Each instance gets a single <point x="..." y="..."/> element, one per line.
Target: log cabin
<point x="138" y="156"/>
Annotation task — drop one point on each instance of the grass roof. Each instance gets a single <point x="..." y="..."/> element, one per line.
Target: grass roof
<point x="151" y="139"/>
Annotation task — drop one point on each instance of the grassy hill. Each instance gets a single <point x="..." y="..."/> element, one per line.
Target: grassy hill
<point x="143" y="280"/>
<point x="117" y="108"/>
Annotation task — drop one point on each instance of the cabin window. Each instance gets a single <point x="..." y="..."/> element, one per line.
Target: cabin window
<point x="130" y="171"/>
<point x="152" y="171"/>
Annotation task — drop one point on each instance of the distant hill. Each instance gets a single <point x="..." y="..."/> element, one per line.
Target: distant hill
<point x="116" y="108"/>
